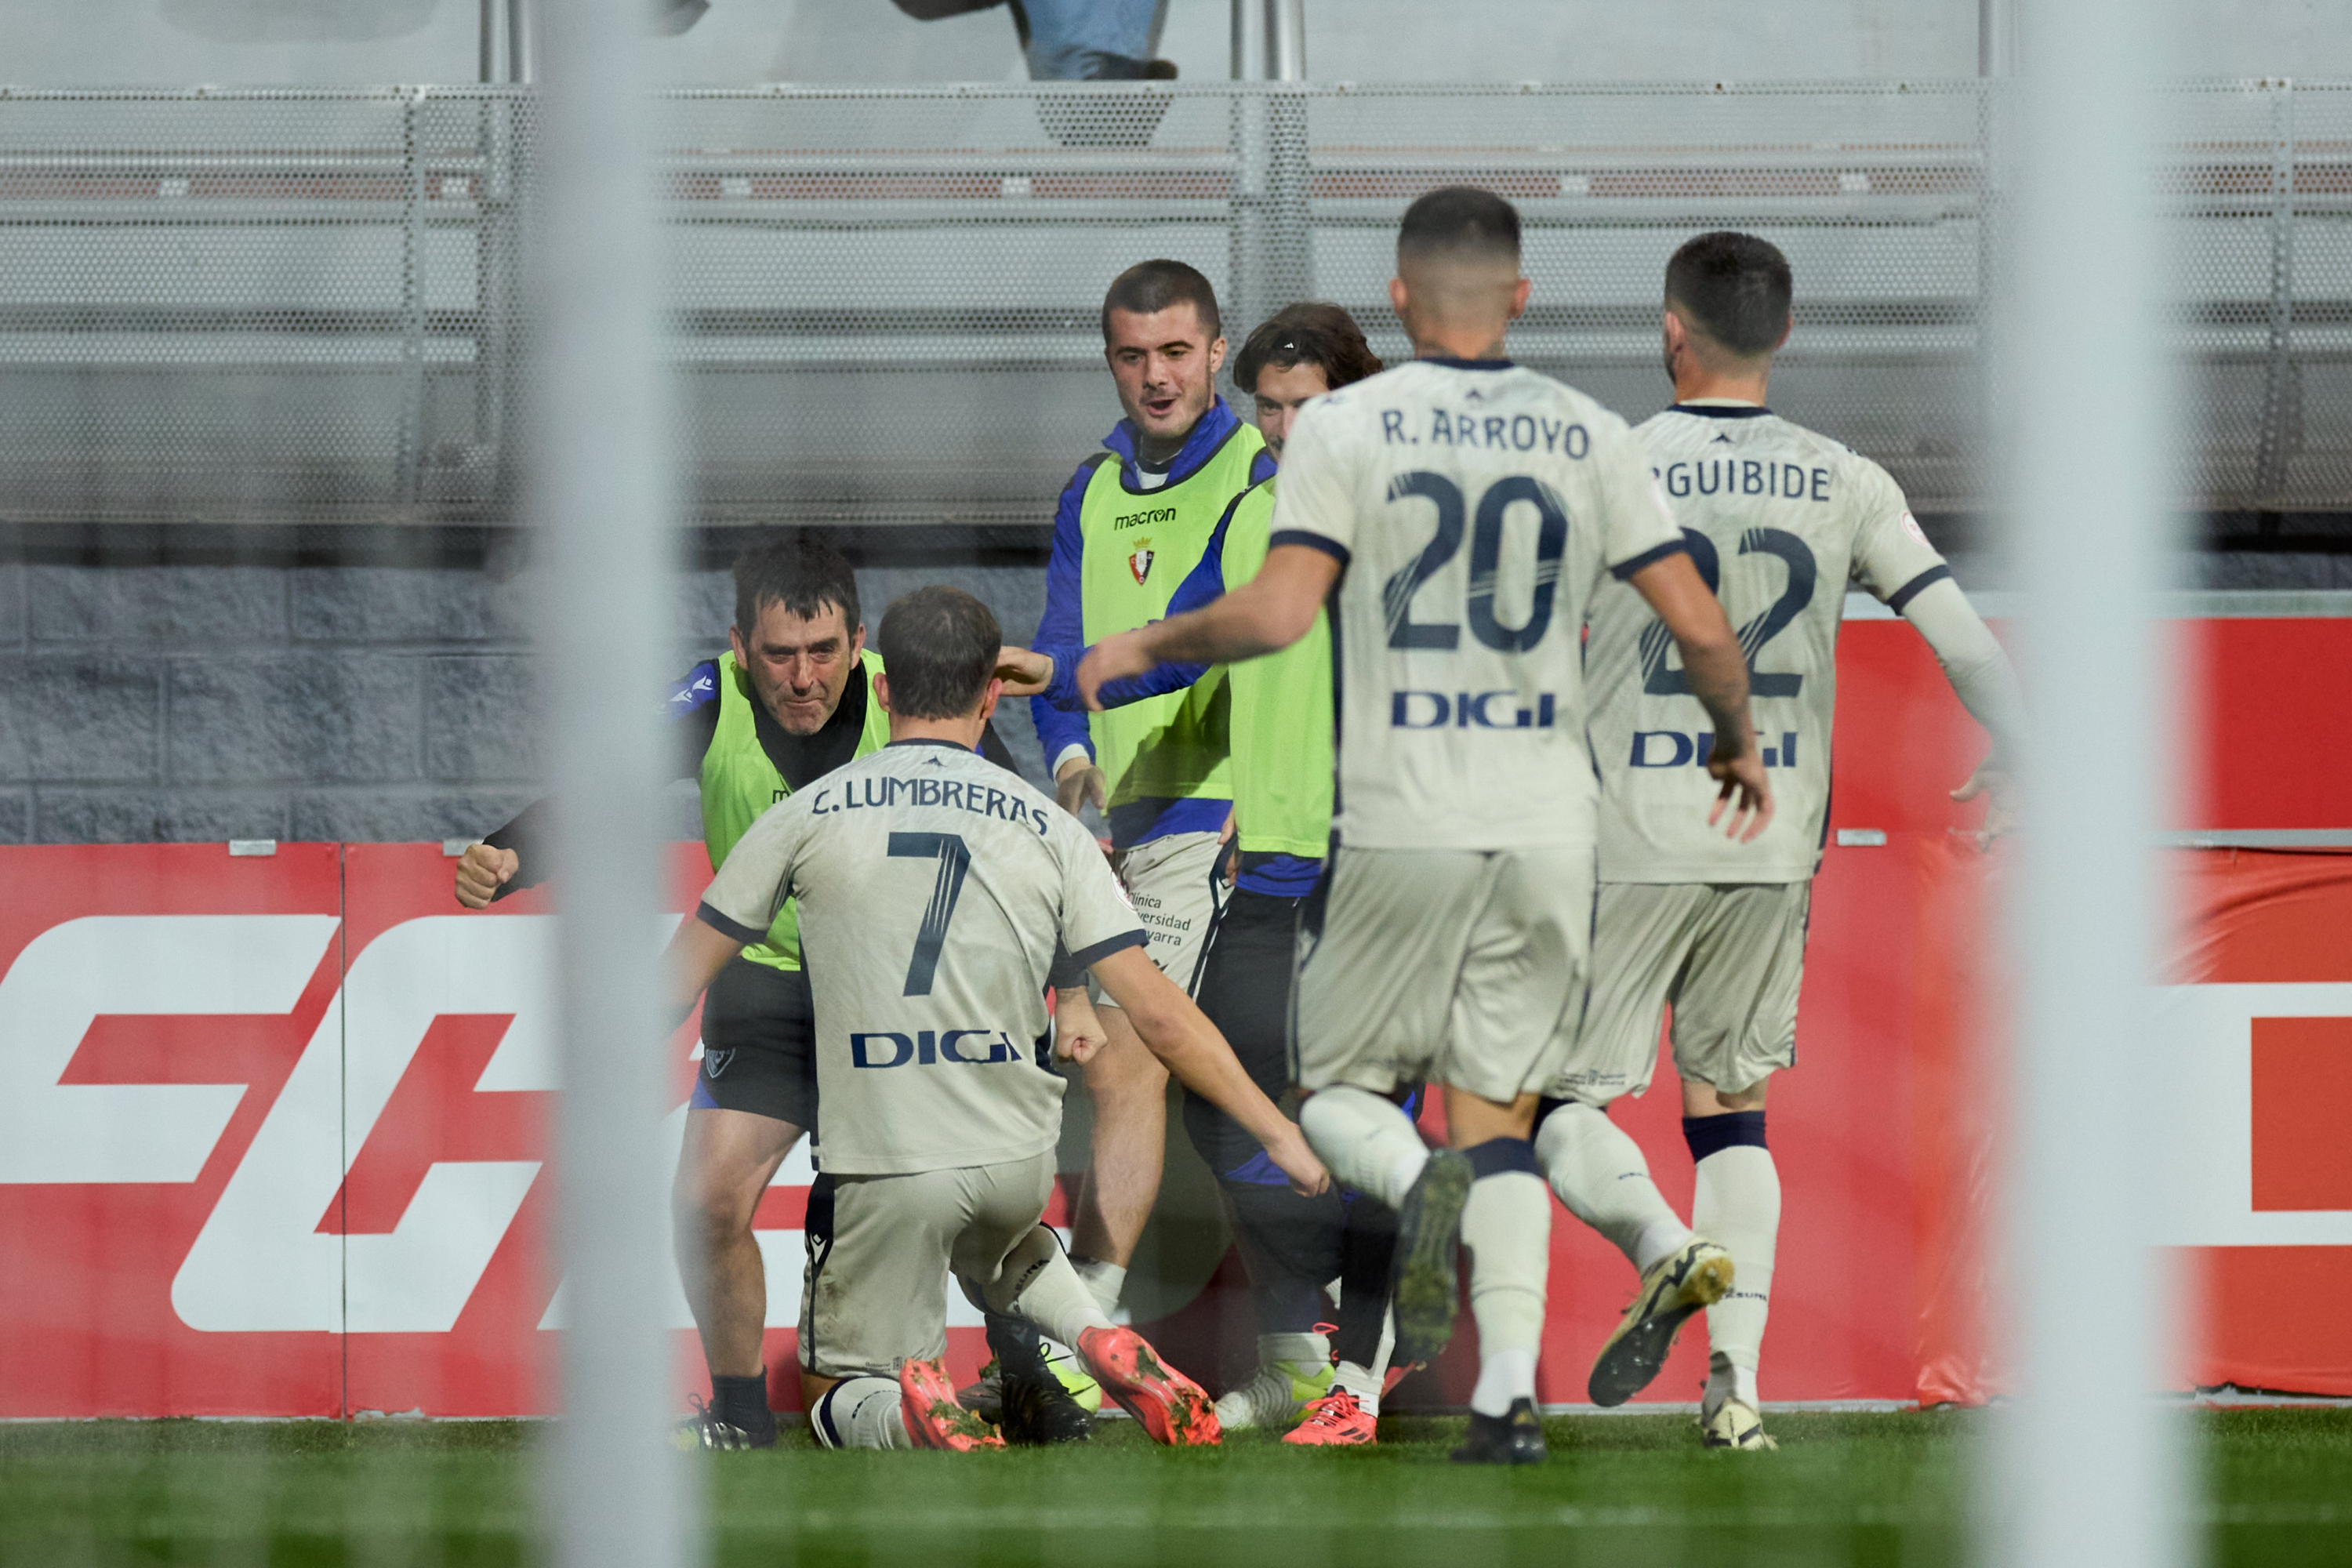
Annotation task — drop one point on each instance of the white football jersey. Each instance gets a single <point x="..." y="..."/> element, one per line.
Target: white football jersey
<point x="933" y="886"/>
<point x="1473" y="507"/>
<point x="1780" y="519"/>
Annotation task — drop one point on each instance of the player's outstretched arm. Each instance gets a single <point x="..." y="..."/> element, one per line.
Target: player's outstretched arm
<point x="1181" y="1036"/>
<point x="1985" y="682"/>
<point x="1264" y="614"/>
<point x="697" y="952"/>
<point x="1718" y="672"/>
<point x="1025" y="671"/>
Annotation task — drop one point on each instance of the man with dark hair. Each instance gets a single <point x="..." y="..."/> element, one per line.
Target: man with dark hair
<point x="1149" y="287"/>
<point x="790" y="701"/>
<point x="939" y="890"/>
<point x="1281" y="741"/>
<point x="1132" y="521"/>
<point x="1781" y="522"/>
<point x="1459" y="513"/>
<point x="1735" y="289"/>
<point x="1456" y="224"/>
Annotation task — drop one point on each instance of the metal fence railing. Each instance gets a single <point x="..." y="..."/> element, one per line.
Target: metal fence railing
<point x="882" y="301"/>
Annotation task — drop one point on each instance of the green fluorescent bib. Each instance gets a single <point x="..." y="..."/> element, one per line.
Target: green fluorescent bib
<point x="1139" y="548"/>
<point x="1281" y="722"/>
<point x="739" y="783"/>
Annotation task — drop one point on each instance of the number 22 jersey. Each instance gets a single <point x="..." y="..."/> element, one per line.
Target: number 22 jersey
<point x="1475" y="507"/>
<point x="1778" y="521"/>
<point x="933" y="887"/>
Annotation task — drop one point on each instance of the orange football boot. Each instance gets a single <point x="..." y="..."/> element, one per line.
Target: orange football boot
<point x="1172" y="1408"/>
<point x="933" y="1418"/>
<point x="1337" y="1421"/>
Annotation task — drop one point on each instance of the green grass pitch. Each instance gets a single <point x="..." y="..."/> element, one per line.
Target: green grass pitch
<point x="1844" y="1489"/>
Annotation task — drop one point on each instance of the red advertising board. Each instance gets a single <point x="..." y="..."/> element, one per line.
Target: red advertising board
<point x="271" y="1128"/>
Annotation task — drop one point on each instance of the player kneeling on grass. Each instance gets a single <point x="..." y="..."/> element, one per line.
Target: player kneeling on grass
<point x="934" y="892"/>
<point x="1781" y="522"/>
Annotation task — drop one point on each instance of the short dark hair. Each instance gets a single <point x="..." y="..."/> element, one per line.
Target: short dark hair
<point x="1148" y="288"/>
<point x="1310" y="333"/>
<point x="1460" y="220"/>
<point x="797" y="570"/>
<point x="938" y="649"/>
<point x="1734" y="288"/>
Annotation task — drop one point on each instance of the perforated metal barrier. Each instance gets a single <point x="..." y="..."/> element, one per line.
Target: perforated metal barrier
<point x="303" y="305"/>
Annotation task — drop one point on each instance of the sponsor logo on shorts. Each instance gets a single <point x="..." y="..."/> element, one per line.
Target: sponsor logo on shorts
<point x="927" y="1047"/>
<point x="1673" y="749"/>
<point x="714" y="1062"/>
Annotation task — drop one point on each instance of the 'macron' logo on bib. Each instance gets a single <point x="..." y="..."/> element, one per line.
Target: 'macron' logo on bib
<point x="1141" y="561"/>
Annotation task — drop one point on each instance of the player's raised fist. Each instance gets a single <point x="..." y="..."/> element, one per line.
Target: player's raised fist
<point x="1025" y="672"/>
<point x="482" y="871"/>
<point x="1746" y="792"/>
<point x="1077" y="1029"/>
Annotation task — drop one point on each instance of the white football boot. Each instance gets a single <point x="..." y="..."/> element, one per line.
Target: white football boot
<point x="1734" y="1423"/>
<point x="1727" y="1412"/>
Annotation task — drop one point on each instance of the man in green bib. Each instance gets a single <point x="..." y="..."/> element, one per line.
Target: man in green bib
<point x="788" y="702"/>
<point x="1133" y="520"/>
<point x="1322" y="1391"/>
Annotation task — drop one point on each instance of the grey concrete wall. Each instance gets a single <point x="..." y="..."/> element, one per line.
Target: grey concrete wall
<point x="334" y="691"/>
<point x="317" y="700"/>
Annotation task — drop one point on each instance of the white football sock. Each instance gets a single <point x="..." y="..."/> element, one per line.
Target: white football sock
<point x="1309" y="1351"/>
<point x="1724" y="1381"/>
<point x="861" y="1412"/>
<point x="1506" y="1231"/>
<point x="1105" y="1280"/>
<point x="1365" y="1381"/>
<point x="1738" y="1206"/>
<point x="1368" y="1142"/>
<point x="1046" y="1289"/>
<point x="1600" y="1174"/>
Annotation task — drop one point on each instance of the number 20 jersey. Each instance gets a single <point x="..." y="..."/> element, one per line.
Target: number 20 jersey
<point x="1475" y="507"/>
<point x="1778" y="520"/>
<point x="932" y="885"/>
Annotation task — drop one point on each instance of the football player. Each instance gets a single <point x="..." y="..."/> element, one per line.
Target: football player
<point x="936" y="890"/>
<point x="789" y="701"/>
<point x="1779" y="522"/>
<point x="1133" y="520"/>
<point x="1321" y="1389"/>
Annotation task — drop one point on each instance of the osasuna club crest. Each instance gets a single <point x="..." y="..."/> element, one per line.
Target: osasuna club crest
<point x="1141" y="561"/>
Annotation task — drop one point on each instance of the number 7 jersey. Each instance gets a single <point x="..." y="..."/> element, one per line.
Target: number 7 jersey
<point x="933" y="887"/>
<point x="1475" y="507"/>
<point x="1778" y="521"/>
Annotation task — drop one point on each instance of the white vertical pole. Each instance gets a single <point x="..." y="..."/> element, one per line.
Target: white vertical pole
<point x="1996" y="37"/>
<point x="602" y="500"/>
<point x="523" y="41"/>
<point x="2091" y="1466"/>
<point x="1286" y="40"/>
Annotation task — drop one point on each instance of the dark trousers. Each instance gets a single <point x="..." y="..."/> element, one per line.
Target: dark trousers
<point x="1291" y="1245"/>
